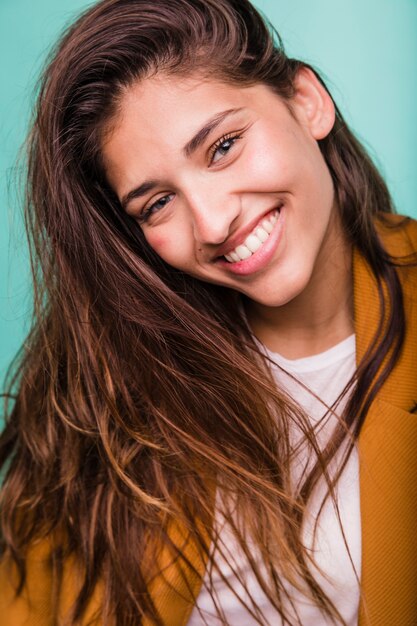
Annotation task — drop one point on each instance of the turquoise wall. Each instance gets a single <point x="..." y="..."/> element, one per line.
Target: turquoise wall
<point x="366" y="49"/>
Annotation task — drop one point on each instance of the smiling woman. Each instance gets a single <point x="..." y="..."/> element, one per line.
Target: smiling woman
<point x="213" y="420"/>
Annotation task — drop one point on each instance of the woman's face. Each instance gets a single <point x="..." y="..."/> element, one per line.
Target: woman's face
<point x="225" y="183"/>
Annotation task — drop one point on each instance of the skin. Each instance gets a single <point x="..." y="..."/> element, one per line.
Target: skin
<point x="299" y="302"/>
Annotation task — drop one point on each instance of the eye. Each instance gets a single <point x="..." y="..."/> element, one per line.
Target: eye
<point x="222" y="147"/>
<point x="154" y="207"/>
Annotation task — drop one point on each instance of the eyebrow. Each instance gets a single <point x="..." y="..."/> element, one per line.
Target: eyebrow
<point x="138" y="192"/>
<point x="203" y="133"/>
<point x="189" y="149"/>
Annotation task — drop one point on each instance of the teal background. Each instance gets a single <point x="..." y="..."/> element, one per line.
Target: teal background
<point x="366" y="50"/>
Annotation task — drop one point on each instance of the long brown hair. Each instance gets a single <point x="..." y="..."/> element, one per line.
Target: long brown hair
<point x="140" y="390"/>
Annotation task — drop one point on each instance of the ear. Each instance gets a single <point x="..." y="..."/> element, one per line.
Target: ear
<point x="312" y="104"/>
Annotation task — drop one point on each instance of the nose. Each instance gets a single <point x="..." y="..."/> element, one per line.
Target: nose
<point x="213" y="212"/>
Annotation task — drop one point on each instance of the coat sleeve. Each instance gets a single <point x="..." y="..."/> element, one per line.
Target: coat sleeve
<point x="35" y="605"/>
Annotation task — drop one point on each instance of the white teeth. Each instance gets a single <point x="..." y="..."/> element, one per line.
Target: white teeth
<point x="267" y="226"/>
<point x="262" y="234"/>
<point x="243" y="252"/>
<point x="253" y="241"/>
<point x="232" y="257"/>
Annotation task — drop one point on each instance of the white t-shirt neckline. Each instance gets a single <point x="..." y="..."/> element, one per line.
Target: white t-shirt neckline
<point x="315" y="362"/>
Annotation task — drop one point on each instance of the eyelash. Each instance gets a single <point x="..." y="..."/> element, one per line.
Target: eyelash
<point x="145" y="215"/>
<point x="216" y="146"/>
<point x="230" y="137"/>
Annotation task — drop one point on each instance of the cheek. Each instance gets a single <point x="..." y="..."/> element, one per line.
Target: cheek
<point x="269" y="162"/>
<point x="167" y="246"/>
<point x="160" y="243"/>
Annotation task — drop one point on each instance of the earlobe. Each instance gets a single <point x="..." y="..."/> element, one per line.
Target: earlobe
<point x="313" y="104"/>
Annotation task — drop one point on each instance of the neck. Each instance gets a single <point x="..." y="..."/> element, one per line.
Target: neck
<point x="320" y="316"/>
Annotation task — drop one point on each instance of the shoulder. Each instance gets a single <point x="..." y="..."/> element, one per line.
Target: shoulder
<point x="398" y="234"/>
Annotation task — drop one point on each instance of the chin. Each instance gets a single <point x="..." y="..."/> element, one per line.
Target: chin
<point x="280" y="292"/>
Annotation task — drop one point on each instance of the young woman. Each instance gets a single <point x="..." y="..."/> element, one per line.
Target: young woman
<point x="213" y="417"/>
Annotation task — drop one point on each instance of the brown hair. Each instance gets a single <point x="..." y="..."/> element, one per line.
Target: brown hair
<point x="139" y="387"/>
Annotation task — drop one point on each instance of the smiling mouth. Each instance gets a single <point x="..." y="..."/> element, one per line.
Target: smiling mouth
<point x="255" y="240"/>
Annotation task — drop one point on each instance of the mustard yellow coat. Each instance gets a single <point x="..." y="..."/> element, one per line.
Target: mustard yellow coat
<point x="388" y="488"/>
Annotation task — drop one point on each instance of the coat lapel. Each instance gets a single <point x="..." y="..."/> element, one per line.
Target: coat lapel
<point x="388" y="457"/>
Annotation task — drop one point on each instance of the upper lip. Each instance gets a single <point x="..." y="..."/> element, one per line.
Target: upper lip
<point x="240" y="235"/>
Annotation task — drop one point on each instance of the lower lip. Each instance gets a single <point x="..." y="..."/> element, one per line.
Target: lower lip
<point x="262" y="256"/>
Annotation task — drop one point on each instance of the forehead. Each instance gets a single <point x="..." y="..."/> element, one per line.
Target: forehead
<point x="180" y="88"/>
<point x="180" y="103"/>
<point x="157" y="116"/>
<point x="162" y="91"/>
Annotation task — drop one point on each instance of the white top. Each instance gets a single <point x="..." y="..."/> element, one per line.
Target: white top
<point x="326" y="375"/>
